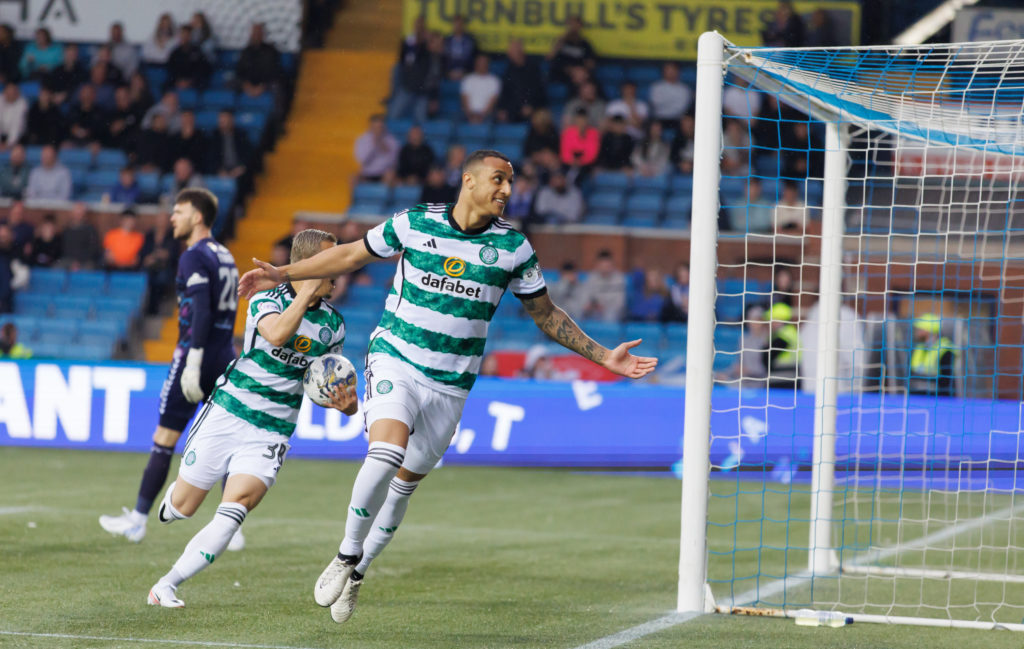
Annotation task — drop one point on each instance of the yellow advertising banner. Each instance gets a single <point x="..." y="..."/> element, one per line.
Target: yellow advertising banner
<point x="645" y="29"/>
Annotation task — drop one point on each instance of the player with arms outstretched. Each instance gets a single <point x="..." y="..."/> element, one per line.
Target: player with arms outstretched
<point x="457" y="260"/>
<point x="207" y="302"/>
<point x="244" y="429"/>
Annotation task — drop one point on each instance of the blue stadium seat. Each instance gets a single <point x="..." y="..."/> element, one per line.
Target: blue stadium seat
<point x="87" y="282"/>
<point x="439" y="145"/>
<point x="102" y="179"/>
<point x="681" y="184"/>
<point x="604" y="332"/>
<point x="52" y="338"/>
<point x="510" y="131"/>
<point x="219" y="185"/>
<point x="127" y="281"/>
<point x="149" y="184"/>
<point x="657" y="183"/>
<point x="92" y="352"/>
<point x="30" y="90"/>
<point x="64" y="313"/>
<point x="156" y="78"/>
<point x="366" y="207"/>
<point x="371" y="192"/>
<point x="206" y="120"/>
<point x="734" y="187"/>
<point x="49" y="350"/>
<point x="228" y="58"/>
<point x="47" y="280"/>
<point x="381" y="273"/>
<point x="111" y="159"/>
<point x="76" y="157"/>
<point x="643" y="73"/>
<point x="365" y="295"/>
<point x="407" y="195"/>
<point x="79" y="179"/>
<point x="450" y="89"/>
<point x="675" y="335"/>
<point x="222" y="78"/>
<point x="610" y="73"/>
<point x="33" y="304"/>
<point x="644" y="203"/>
<point x="33" y="154"/>
<point x="289" y="62"/>
<point x="67" y="330"/>
<point x="399" y="127"/>
<point x="108" y="328"/>
<point x="609" y="180"/>
<point x="216" y="99"/>
<point x="263" y="103"/>
<point x="676" y="222"/>
<point x="602" y="216"/>
<point x="678" y="205"/>
<point x="611" y="200"/>
<point x="512" y="148"/>
<point x="188" y="98"/>
<point x="558" y="93"/>
<point x="26" y="324"/>
<point x="640" y="220"/>
<point x="649" y="331"/>
<point x="251" y="121"/>
<point x="467" y="131"/>
<point x="473" y="144"/>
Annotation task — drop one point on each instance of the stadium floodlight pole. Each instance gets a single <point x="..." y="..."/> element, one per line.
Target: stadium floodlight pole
<point x="823" y="472"/>
<point x="707" y="153"/>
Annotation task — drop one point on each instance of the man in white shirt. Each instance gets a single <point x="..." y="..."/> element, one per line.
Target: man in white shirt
<point x="670" y="97"/>
<point x="559" y="201"/>
<point x="13" y="114"/>
<point x="480" y="91"/>
<point x="50" y="180"/>
<point x="740" y="101"/>
<point x="123" y="54"/>
<point x="633" y="110"/>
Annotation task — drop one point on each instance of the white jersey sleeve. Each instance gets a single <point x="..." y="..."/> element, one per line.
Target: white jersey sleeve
<point x="388" y="238"/>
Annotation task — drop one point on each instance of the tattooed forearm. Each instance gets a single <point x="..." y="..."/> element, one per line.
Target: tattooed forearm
<point x="557" y="324"/>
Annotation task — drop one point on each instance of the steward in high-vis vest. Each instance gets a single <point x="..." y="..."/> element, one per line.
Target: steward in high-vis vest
<point x="783" y="346"/>
<point x="9" y="345"/>
<point x="932" y="359"/>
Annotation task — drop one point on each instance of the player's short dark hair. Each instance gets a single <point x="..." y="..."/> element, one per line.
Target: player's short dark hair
<point x="305" y="244"/>
<point x="202" y="199"/>
<point x="482" y="154"/>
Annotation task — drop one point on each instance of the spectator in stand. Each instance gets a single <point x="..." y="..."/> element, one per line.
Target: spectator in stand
<point x="802" y="153"/>
<point x="377" y="152"/>
<point x="648" y="296"/>
<point x="408" y="94"/>
<point x="749" y="369"/>
<point x="122" y="245"/>
<point x="183" y="176"/>
<point x="651" y="157"/>
<point x="80" y="241"/>
<point x="40" y="56"/>
<point x="677" y="306"/>
<point x="122" y="53"/>
<point x="415" y="158"/>
<point x="14" y="175"/>
<point x="571" y="51"/>
<point x="159" y="256"/>
<point x="20" y="228"/>
<point x="437" y="190"/>
<point x="568" y="292"/>
<point x="581" y="142"/>
<point x="519" y="208"/>
<point x="542" y="144"/>
<point x="158" y="48"/>
<point x="87" y="122"/>
<point x="559" y="202"/>
<point x="821" y="31"/>
<point x="537" y="365"/>
<point x="522" y="87"/>
<point x="187" y="66"/>
<point x="670" y="97"/>
<point x="460" y="50"/>
<point x="786" y="29"/>
<point x="123" y="128"/>
<point x="681" y="150"/>
<point x="203" y="36"/>
<point x="13" y="116"/>
<point x="9" y="345"/>
<point x="65" y="77"/>
<point x="190" y="142"/>
<point x="8" y="256"/>
<point x="46" y="124"/>
<point x="434" y="72"/>
<point x="736" y="148"/>
<point x="633" y="110"/>
<point x="230" y="154"/>
<point x="616" y="146"/>
<point x="10" y="54"/>
<point x="741" y="102"/>
<point x="259" y="64"/>
<point x="99" y="79"/>
<point x="104" y="56"/>
<point x="757" y="215"/>
<point x="790" y="213"/>
<point x="50" y="180"/>
<point x="169" y="108"/>
<point x="126" y="190"/>
<point x="589" y="100"/>
<point x="479" y="91"/>
<point x="154" y="150"/>
<point x="45" y="249"/>
<point x="454" y="159"/>
<point x="604" y="291"/>
<point x="141" y="97"/>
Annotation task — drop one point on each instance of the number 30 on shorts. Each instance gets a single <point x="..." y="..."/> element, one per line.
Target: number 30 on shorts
<point x="278" y="451"/>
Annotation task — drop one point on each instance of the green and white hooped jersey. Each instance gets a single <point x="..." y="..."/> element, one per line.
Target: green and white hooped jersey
<point x="264" y="386"/>
<point x="446" y="290"/>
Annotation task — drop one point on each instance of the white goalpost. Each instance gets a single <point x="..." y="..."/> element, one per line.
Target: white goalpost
<point x="853" y="420"/>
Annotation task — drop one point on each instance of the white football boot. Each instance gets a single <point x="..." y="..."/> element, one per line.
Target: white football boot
<point x="164" y="595"/>
<point x="342" y="608"/>
<point x="129" y="524"/>
<point x="332" y="580"/>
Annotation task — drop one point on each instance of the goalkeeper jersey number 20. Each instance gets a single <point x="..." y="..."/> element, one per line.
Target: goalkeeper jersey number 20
<point x="446" y="290"/>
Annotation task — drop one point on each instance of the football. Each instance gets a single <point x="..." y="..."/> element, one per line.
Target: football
<point x="324" y="374"/>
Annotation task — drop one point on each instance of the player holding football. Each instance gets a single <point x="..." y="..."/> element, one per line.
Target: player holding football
<point x="245" y="427"/>
<point x="456" y="263"/>
<point x="207" y="301"/>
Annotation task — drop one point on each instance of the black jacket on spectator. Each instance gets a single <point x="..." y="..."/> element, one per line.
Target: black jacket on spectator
<point x="414" y="162"/>
<point x="259" y="64"/>
<point x="10" y="54"/>
<point x="155" y="148"/>
<point x="45" y="125"/>
<point x="442" y="194"/>
<point x="45" y="253"/>
<point x="536" y="141"/>
<point x="615" y="150"/>
<point x="194" y="146"/>
<point x="7" y="255"/>
<point x="127" y="137"/>
<point x="81" y="245"/>
<point x="13" y="180"/>
<point x="93" y="120"/>
<point x="218" y="151"/>
<point x="187" y="62"/>
<point x="521" y="85"/>
<point x="65" y="79"/>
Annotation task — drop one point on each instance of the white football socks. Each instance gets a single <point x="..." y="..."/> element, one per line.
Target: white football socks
<point x="207" y="544"/>
<point x="387" y="521"/>
<point x="369" y="492"/>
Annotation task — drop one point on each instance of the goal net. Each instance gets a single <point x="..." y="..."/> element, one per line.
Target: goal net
<point x="853" y="424"/>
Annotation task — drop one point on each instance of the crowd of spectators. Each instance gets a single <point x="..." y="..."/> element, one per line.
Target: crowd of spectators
<point x="640" y="131"/>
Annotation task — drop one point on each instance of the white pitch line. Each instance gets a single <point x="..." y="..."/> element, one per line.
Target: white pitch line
<point x="639" y="631"/>
<point x="6" y="511"/>
<point x="190" y="643"/>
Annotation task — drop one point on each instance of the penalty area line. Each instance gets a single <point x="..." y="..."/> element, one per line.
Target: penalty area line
<point x="189" y="643"/>
<point x="641" y="630"/>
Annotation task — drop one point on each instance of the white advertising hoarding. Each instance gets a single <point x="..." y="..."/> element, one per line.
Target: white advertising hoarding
<point x="981" y="24"/>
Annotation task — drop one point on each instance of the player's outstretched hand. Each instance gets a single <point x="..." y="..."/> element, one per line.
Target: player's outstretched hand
<point x="344" y="399"/>
<point x="262" y="278"/>
<point x="620" y="361"/>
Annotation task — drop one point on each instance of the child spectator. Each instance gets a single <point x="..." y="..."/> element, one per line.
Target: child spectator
<point x="581" y="142"/>
<point x="479" y="91"/>
<point x="122" y="53"/>
<point x="122" y="245"/>
<point x="415" y="158"/>
<point x="559" y="202"/>
<point x="650" y="157"/>
<point x="45" y="249"/>
<point x="670" y="97"/>
<point x="50" y="180"/>
<point x="522" y="87"/>
<point x="633" y="110"/>
<point x="157" y="49"/>
<point x="460" y="50"/>
<point x="126" y="189"/>
<point x="377" y="152"/>
<point x="80" y="241"/>
<point x="14" y="175"/>
<point x="259" y="64"/>
<point x="40" y="56"/>
<point x="13" y="116"/>
<point x="187" y="66"/>
<point x="571" y="51"/>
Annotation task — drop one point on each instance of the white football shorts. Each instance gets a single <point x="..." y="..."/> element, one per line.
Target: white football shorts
<point x="221" y="444"/>
<point x="394" y="392"/>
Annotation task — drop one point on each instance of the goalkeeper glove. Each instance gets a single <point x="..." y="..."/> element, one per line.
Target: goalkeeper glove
<point x="190" y="376"/>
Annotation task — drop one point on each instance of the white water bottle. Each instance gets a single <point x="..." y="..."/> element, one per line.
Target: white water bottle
<point x="810" y="617"/>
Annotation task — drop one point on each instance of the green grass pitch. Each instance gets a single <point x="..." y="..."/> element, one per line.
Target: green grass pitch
<point x="486" y="557"/>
